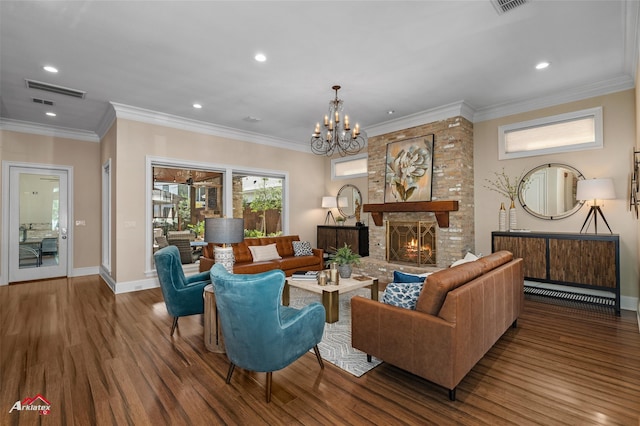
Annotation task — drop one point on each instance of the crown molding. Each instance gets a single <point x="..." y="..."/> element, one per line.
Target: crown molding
<point x="152" y="117"/>
<point x="52" y="131"/>
<point x="579" y="93"/>
<point x="106" y="122"/>
<point x="444" y="112"/>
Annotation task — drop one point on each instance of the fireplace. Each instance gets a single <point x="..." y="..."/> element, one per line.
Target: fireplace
<point x="412" y="243"/>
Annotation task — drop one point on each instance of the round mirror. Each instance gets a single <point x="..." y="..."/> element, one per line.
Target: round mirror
<point x="349" y="200"/>
<point x="549" y="191"/>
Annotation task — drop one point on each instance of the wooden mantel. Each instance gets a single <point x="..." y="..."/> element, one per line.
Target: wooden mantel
<point x="440" y="208"/>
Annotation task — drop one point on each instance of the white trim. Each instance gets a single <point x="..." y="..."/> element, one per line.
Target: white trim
<point x="598" y="143"/>
<point x="105" y="219"/>
<point x="614" y="85"/>
<point x="52" y="131"/>
<point x="152" y="117"/>
<point x="83" y="272"/>
<point x="444" y="112"/>
<point x="139" y="285"/>
<point x="106" y="122"/>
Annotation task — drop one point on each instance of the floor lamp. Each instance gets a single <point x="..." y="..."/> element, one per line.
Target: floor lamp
<point x="219" y="230"/>
<point x="595" y="189"/>
<point x="329" y="202"/>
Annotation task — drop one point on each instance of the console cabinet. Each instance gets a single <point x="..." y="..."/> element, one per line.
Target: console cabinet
<point x="332" y="237"/>
<point x="579" y="260"/>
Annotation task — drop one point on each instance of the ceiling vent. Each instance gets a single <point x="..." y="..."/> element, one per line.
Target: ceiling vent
<point x="42" y="101"/>
<point x="503" y="6"/>
<point x="32" y="84"/>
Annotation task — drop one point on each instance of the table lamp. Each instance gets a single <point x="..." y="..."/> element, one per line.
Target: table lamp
<point x="222" y="230"/>
<point x="595" y="189"/>
<point x="329" y="202"/>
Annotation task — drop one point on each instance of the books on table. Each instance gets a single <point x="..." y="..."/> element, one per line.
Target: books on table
<point x="305" y="275"/>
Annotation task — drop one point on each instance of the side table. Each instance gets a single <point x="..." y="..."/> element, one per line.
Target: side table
<point x="213" y="340"/>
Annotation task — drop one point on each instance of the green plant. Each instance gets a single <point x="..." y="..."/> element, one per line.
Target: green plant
<point x="345" y="256"/>
<point x="340" y="219"/>
<point x="198" y="228"/>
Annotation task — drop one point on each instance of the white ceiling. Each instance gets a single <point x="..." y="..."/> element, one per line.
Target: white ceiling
<point x="411" y="57"/>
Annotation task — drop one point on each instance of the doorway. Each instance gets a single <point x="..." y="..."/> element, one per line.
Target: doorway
<point x="36" y="245"/>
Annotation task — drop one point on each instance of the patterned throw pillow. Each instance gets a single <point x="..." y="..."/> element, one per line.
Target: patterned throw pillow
<point x="402" y="295"/>
<point x="302" y="248"/>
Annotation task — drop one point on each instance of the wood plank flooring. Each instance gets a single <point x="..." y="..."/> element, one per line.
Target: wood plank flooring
<point x="105" y="359"/>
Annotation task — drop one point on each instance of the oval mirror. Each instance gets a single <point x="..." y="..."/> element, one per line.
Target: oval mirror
<point x="549" y="191"/>
<point x="349" y="199"/>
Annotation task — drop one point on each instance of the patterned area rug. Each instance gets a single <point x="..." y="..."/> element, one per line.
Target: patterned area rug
<point x="336" y="342"/>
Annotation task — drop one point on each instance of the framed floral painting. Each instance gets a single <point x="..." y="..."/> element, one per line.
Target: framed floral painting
<point x="409" y="170"/>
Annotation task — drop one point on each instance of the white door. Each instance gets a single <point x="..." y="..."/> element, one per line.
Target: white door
<point x="38" y="223"/>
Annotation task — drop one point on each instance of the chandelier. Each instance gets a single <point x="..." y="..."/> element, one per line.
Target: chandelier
<point x="337" y="136"/>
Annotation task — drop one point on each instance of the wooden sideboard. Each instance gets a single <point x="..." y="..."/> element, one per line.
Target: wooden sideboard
<point x="332" y="237"/>
<point x="579" y="260"/>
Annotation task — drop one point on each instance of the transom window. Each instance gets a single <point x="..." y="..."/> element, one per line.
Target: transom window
<point x="575" y="131"/>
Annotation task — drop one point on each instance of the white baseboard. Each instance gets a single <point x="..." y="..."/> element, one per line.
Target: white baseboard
<point x="83" y="272"/>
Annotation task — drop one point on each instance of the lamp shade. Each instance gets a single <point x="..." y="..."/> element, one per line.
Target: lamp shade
<point x="329" y="202"/>
<point x="222" y="230"/>
<point x="595" y="189"/>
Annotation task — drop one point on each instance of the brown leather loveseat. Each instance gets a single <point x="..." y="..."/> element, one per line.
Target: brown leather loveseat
<point x="460" y="313"/>
<point x="289" y="263"/>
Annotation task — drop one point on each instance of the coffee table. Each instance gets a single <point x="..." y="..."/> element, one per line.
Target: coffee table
<point x="331" y="293"/>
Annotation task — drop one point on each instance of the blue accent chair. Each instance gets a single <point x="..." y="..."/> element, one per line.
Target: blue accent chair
<point x="260" y="334"/>
<point x="182" y="295"/>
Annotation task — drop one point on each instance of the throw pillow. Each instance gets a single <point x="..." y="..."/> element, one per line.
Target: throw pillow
<point x="469" y="257"/>
<point x="302" y="248"/>
<point x="404" y="277"/>
<point x="263" y="253"/>
<point x="402" y="295"/>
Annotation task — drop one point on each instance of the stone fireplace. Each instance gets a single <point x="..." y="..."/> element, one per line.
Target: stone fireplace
<point x="452" y="180"/>
<point x="411" y="243"/>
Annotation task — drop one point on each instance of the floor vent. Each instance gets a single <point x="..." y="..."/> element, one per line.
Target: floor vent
<point x="571" y="298"/>
<point x="503" y="6"/>
<point x="42" y="101"/>
<point x="32" y="84"/>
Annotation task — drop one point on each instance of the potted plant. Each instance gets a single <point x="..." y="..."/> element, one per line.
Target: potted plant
<point x="345" y="258"/>
<point x="198" y="228"/>
<point x="340" y="220"/>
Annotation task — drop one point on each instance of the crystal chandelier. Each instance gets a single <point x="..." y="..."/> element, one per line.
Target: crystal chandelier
<point x="337" y="135"/>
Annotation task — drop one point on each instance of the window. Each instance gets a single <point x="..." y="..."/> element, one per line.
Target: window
<point x="349" y="167"/>
<point x="575" y="131"/>
<point x="182" y="194"/>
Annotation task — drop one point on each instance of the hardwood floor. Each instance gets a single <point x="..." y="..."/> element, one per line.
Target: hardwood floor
<point x="101" y="359"/>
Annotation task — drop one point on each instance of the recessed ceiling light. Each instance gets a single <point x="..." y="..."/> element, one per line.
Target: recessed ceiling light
<point x="49" y="68"/>
<point x="260" y="57"/>
<point x="542" y="65"/>
<point x="51" y="114"/>
<point x="252" y="119"/>
<point x="197" y="106"/>
<point x="391" y="111"/>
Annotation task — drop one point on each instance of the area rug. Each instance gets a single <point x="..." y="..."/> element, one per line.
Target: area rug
<point x="336" y="342"/>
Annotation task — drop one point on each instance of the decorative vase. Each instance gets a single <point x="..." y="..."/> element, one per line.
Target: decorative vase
<point x="502" y="218"/>
<point x="344" y="270"/>
<point x="513" y="221"/>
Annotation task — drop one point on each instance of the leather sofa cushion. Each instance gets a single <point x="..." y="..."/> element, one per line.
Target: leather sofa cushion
<point x="494" y="260"/>
<point x="441" y="282"/>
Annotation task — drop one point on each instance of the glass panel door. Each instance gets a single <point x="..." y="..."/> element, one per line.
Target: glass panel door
<point x="38" y="224"/>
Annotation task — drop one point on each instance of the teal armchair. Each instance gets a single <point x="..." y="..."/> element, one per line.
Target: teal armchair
<point x="182" y="295"/>
<point x="260" y="334"/>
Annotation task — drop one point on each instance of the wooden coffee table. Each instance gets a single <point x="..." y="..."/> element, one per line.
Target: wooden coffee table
<point x="331" y="293"/>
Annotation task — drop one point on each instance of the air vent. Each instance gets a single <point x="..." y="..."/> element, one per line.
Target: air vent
<point x="503" y="6"/>
<point x="32" y="84"/>
<point x="42" y="101"/>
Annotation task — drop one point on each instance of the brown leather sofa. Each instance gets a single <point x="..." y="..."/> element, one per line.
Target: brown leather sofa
<point x="289" y="263"/>
<point x="460" y="313"/>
